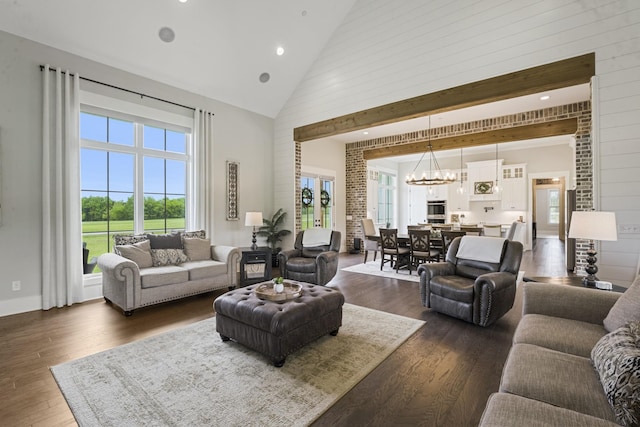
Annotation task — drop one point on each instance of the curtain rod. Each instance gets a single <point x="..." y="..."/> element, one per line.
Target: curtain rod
<point x="142" y="95"/>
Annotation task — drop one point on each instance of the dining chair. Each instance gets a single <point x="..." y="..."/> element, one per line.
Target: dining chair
<point x="421" y="249"/>
<point x="370" y="238"/>
<point x="392" y="252"/>
<point x="447" y="237"/>
<point x="472" y="231"/>
<point x="492" y="230"/>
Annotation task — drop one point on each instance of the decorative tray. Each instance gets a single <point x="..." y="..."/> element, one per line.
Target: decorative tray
<point x="266" y="291"/>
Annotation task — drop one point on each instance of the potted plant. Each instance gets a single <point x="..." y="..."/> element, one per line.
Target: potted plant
<point x="271" y="231"/>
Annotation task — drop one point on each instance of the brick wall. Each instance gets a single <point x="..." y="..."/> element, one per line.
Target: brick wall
<point x="356" y="166"/>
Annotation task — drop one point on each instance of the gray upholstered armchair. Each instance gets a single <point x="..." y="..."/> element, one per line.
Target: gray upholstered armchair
<point x="314" y="258"/>
<point x="477" y="281"/>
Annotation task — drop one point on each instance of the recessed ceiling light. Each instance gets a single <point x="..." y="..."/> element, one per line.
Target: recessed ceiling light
<point x="166" y="34"/>
<point x="279" y="51"/>
<point x="365" y="132"/>
<point x="264" y="77"/>
<point x="182" y="1"/>
<point x="544" y="97"/>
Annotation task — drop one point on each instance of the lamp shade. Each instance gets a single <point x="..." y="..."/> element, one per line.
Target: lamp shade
<point x="253" y="219"/>
<point x="593" y="225"/>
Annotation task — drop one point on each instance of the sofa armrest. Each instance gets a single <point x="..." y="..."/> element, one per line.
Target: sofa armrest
<point x="120" y="280"/>
<point x="231" y="256"/>
<point x="284" y="256"/>
<point x="494" y="295"/>
<point x="569" y="302"/>
<point x="326" y="266"/>
<point x="426" y="272"/>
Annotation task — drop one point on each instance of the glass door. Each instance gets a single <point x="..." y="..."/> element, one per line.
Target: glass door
<point x="317" y="197"/>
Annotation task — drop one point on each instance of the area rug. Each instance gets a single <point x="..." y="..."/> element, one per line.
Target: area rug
<point x="373" y="268"/>
<point x="189" y="377"/>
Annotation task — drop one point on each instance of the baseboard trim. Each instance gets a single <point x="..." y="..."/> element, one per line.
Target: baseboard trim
<point x="20" y="305"/>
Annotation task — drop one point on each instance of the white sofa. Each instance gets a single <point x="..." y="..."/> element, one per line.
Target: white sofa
<point x="130" y="285"/>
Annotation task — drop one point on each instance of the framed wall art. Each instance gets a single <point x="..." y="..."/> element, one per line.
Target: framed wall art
<point x="232" y="191"/>
<point x="483" y="187"/>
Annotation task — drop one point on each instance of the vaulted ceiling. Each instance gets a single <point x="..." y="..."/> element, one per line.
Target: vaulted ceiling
<point x="220" y="47"/>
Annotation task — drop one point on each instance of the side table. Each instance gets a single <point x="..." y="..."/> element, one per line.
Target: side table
<point x="571" y="281"/>
<point x="255" y="265"/>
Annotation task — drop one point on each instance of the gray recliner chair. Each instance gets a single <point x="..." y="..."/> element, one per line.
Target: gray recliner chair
<point x="475" y="290"/>
<point x="315" y="263"/>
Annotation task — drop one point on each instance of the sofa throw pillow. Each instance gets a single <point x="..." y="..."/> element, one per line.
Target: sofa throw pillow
<point x="165" y="241"/>
<point x="140" y="253"/>
<point x="199" y="234"/>
<point x="616" y="357"/>
<point x="626" y="309"/>
<point x="127" y="239"/>
<point x="161" y="257"/>
<point x="197" y="249"/>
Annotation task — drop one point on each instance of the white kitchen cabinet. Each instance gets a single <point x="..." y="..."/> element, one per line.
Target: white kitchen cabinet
<point x="459" y="202"/>
<point x="482" y="178"/>
<point x="437" y="192"/>
<point x="417" y="204"/>
<point x="514" y="187"/>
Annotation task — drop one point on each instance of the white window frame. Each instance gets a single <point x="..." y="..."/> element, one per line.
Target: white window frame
<point x="141" y="115"/>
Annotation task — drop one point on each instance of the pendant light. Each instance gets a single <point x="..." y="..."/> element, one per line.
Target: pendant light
<point x="437" y="178"/>
<point x="460" y="189"/>
<point x="496" y="189"/>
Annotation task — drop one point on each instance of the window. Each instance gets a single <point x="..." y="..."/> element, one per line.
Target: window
<point x="307" y="186"/>
<point x="134" y="175"/>
<point x="553" y="200"/>
<point x="386" y="199"/>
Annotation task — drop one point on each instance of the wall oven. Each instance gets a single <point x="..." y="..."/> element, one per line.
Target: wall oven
<point x="436" y="211"/>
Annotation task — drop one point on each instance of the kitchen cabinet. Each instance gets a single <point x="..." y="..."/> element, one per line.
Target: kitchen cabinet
<point x="437" y="192"/>
<point x="459" y="202"/>
<point x="482" y="178"/>
<point x="417" y="204"/>
<point x="514" y="187"/>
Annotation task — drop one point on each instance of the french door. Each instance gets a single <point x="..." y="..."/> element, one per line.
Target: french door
<point x="317" y="195"/>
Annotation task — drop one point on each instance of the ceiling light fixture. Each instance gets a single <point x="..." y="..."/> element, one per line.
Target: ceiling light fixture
<point x="166" y="34"/>
<point x="365" y="133"/>
<point x="496" y="189"/>
<point x="182" y="1"/>
<point x="460" y="190"/>
<point x="544" y="97"/>
<point x="436" y="178"/>
<point x="279" y="51"/>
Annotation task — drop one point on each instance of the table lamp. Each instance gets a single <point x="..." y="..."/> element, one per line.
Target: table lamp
<point x="592" y="225"/>
<point x="253" y="219"/>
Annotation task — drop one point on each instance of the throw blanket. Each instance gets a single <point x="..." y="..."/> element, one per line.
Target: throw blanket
<point x="480" y="248"/>
<point x="316" y="237"/>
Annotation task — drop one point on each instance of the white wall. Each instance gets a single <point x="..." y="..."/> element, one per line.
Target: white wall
<point x="238" y="135"/>
<point x="388" y="51"/>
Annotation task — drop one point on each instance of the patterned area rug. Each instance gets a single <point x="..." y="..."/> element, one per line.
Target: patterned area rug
<point x="189" y="377"/>
<point x="373" y="268"/>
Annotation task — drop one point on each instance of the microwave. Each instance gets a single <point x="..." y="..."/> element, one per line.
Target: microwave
<point x="436" y="207"/>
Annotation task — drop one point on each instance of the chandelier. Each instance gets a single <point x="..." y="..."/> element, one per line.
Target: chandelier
<point x="432" y="178"/>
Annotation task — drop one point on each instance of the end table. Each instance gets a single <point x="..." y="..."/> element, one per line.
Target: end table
<point x="255" y="265"/>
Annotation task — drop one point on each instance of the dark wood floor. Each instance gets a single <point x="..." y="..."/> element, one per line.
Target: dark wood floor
<point x="441" y="376"/>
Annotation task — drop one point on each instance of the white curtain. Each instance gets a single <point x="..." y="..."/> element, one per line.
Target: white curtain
<point x="61" y="220"/>
<point x="203" y="142"/>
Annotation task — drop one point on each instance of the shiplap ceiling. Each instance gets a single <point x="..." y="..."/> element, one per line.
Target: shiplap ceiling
<point x="220" y="49"/>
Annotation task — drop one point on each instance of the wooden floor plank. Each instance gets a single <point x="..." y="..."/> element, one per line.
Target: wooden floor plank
<point x="441" y="376"/>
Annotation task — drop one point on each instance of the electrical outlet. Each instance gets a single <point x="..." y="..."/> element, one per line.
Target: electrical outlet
<point x="16" y="285"/>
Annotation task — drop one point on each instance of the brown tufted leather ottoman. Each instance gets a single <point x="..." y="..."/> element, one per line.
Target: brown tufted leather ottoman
<point x="277" y="329"/>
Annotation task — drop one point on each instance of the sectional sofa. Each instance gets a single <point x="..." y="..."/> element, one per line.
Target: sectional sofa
<point x="575" y="360"/>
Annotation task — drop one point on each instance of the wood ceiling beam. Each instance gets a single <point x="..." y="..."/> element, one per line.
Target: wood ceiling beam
<point x="556" y="75"/>
<point x="539" y="130"/>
